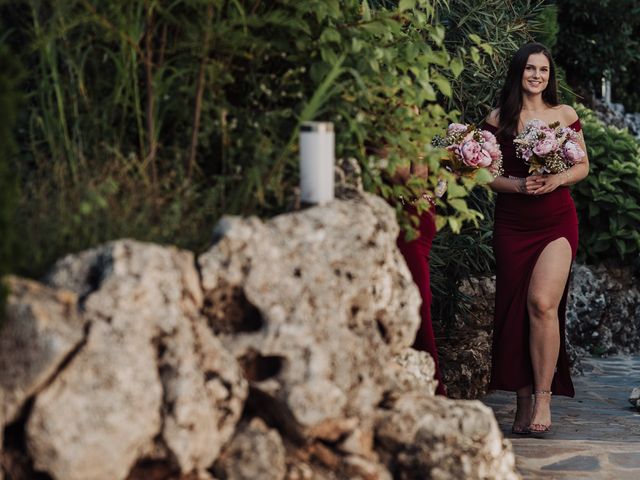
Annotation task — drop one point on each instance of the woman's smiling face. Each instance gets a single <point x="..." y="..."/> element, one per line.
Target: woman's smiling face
<point x="535" y="77"/>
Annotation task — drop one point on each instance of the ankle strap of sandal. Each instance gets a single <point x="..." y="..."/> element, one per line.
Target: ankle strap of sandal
<point x="543" y="392"/>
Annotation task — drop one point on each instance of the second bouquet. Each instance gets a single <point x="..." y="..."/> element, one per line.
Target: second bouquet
<point x="469" y="149"/>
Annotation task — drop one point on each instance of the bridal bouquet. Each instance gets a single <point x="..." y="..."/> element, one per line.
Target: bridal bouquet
<point x="469" y="148"/>
<point x="548" y="148"/>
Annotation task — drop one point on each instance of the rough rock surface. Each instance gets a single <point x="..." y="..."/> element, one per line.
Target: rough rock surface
<point x="603" y="316"/>
<point x="344" y="302"/>
<point x="466" y="363"/>
<point x="286" y="356"/>
<point x="256" y="451"/>
<point x="149" y="380"/>
<point x="41" y="330"/>
<point x="465" y="351"/>
<point x="416" y="372"/>
<point x="419" y="435"/>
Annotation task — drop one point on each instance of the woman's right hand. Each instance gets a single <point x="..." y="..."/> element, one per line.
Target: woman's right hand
<point x="533" y="183"/>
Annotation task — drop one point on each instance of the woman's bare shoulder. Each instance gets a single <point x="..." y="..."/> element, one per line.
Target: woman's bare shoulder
<point x="567" y="114"/>
<point x="494" y="117"/>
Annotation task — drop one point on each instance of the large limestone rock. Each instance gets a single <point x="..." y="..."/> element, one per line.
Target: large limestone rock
<point x="149" y="382"/>
<point x="286" y="356"/>
<point x="313" y="304"/>
<point x="326" y="346"/>
<point x="41" y="331"/>
<point x="431" y="437"/>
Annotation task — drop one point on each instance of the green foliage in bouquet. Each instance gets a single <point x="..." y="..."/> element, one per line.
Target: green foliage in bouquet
<point x="608" y="200"/>
<point x="9" y="76"/>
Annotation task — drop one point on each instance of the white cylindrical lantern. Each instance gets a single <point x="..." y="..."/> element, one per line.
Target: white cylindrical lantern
<point x="317" y="160"/>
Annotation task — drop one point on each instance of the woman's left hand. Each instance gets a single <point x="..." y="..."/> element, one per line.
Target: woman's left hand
<point x="546" y="183"/>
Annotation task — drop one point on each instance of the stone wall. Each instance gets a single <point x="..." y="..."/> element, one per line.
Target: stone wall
<point x="280" y="353"/>
<point x="603" y="318"/>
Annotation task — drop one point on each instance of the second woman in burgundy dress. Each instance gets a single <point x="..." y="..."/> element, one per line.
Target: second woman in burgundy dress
<point x="416" y="253"/>
<point x="535" y="242"/>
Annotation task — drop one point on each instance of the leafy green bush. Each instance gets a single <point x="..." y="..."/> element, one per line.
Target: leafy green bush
<point x="9" y="76"/>
<point x="608" y="200"/>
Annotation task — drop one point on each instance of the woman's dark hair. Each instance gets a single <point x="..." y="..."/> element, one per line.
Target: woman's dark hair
<point x="510" y="101"/>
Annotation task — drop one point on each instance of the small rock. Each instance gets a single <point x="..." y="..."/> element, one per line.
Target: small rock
<point x="149" y="382"/>
<point x="358" y="468"/>
<point x="416" y="372"/>
<point x="433" y="437"/>
<point x="634" y="398"/>
<point x="256" y="451"/>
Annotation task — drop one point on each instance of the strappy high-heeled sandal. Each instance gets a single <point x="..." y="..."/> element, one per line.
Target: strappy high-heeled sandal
<point x="540" y="428"/>
<point x="525" y="429"/>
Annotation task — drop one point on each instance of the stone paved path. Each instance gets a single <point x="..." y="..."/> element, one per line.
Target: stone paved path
<point x="596" y="434"/>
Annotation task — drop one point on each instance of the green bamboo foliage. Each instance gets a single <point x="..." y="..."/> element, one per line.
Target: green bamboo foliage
<point x="490" y="31"/>
<point x="608" y="200"/>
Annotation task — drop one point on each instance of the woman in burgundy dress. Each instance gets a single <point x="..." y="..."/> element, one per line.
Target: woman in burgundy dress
<point x="416" y="254"/>
<point x="535" y="242"/>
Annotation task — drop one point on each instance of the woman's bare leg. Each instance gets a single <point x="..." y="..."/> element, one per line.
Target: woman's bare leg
<point x="546" y="288"/>
<point x="524" y="409"/>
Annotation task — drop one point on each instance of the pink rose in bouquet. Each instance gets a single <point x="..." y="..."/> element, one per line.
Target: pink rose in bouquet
<point x="572" y="151"/>
<point x="470" y="148"/>
<point x="491" y="145"/>
<point x="546" y="145"/>
<point x="456" y="128"/>
<point x="548" y="148"/>
<point x="473" y="155"/>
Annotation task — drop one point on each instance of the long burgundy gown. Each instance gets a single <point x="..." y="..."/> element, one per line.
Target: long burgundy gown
<point x="524" y="226"/>
<point x="416" y="254"/>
